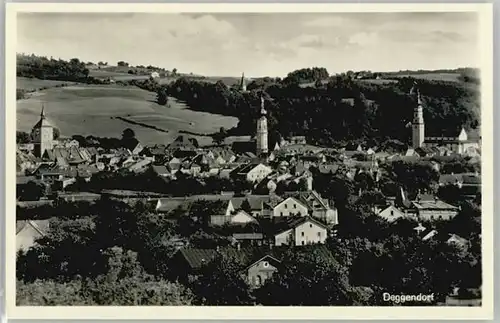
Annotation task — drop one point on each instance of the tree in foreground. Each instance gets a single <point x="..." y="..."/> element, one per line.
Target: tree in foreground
<point x="124" y="284"/>
<point x="311" y="279"/>
<point x="221" y="283"/>
<point x="161" y="96"/>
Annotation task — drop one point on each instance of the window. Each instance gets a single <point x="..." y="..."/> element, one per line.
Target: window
<point x="258" y="280"/>
<point x="265" y="264"/>
<point x="302" y="234"/>
<point x="310" y="225"/>
<point x="281" y="213"/>
<point x="303" y="242"/>
<point x="319" y="234"/>
<point x="392" y="212"/>
<point x="286" y="206"/>
<point x="295" y="206"/>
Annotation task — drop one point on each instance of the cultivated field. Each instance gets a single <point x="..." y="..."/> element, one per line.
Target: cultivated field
<point x="449" y="77"/>
<point x="32" y="84"/>
<point x="379" y="81"/>
<point x="89" y="110"/>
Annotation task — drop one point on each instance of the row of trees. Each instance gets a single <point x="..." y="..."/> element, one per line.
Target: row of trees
<point x="51" y="69"/>
<point x="44" y="68"/>
<point x="307" y="75"/>
<point x="150" y="181"/>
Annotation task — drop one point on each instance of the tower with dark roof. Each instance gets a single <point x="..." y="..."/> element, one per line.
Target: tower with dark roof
<point x="262" y="133"/>
<point x="43" y="135"/>
<point x="418" y="125"/>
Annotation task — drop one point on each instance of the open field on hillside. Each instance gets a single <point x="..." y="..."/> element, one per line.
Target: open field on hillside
<point x="449" y="77"/>
<point x="105" y="73"/>
<point x="90" y="110"/>
<point x="380" y="81"/>
<point x="32" y="84"/>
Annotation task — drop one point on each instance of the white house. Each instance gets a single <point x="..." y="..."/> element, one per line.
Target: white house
<point x="391" y="213"/>
<point x="300" y="232"/>
<point x="27" y="232"/>
<point x="155" y="75"/>
<point x="254" y="172"/>
<point x="434" y="209"/>
<point x="319" y="208"/>
<point x="289" y="207"/>
<point x="429" y="235"/>
<point x="457" y="240"/>
<point x="242" y="217"/>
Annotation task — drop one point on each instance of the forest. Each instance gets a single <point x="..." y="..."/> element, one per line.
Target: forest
<point x="336" y="110"/>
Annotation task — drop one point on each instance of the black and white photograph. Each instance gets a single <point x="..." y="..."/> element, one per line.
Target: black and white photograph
<point x="251" y="159"/>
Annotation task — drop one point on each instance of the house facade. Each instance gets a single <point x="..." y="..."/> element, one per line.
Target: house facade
<point x="391" y="213"/>
<point x="432" y="210"/>
<point x="302" y="232"/>
<point x="261" y="270"/>
<point x="290" y="207"/>
<point x="258" y="173"/>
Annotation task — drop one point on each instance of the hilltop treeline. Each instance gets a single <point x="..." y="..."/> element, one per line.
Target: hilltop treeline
<point x="53" y="69"/>
<point x="341" y="110"/>
<point x="306" y="75"/>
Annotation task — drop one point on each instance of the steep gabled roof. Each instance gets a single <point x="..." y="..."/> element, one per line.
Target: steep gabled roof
<point x="282" y="224"/>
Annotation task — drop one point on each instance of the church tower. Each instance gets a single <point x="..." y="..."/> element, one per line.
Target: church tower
<point x="43" y="135"/>
<point x="418" y="126"/>
<point x="262" y="148"/>
<point x="243" y="84"/>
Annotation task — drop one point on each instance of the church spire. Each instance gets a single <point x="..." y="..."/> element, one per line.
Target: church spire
<point x="243" y="85"/>
<point x="42" y="113"/>
<point x="262" y="107"/>
<point x="262" y="139"/>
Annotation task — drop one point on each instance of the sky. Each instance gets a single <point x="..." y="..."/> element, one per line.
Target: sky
<point x="259" y="44"/>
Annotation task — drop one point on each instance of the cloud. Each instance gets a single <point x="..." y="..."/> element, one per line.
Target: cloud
<point x="448" y="36"/>
<point x="259" y="44"/>
<point x="364" y="39"/>
<point x="327" y="21"/>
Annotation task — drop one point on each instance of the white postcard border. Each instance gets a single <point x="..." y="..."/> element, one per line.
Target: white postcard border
<point x="259" y="312"/>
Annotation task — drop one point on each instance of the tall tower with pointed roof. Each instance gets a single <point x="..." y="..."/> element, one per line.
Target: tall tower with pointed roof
<point x="418" y="125"/>
<point x="262" y="136"/>
<point x="43" y="135"/>
<point x="243" y="84"/>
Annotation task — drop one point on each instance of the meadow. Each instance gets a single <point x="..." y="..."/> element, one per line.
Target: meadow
<point x="379" y="81"/>
<point x="91" y="110"/>
<point x="448" y="77"/>
<point x="31" y="84"/>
